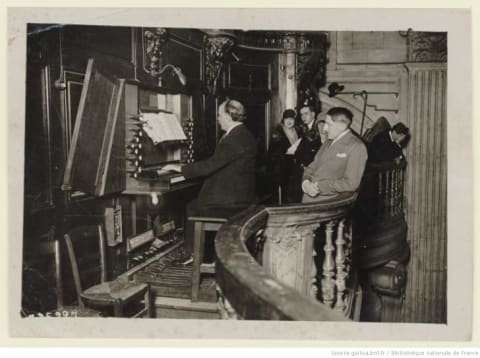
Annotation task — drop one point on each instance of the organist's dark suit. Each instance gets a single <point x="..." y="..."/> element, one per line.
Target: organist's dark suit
<point x="229" y="176"/>
<point x="229" y="173"/>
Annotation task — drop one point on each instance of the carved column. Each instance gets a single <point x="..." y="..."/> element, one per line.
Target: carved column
<point x="153" y="40"/>
<point x="287" y="79"/>
<point x="426" y="46"/>
<point x="216" y="49"/>
<point x="288" y="255"/>
<point x="425" y="188"/>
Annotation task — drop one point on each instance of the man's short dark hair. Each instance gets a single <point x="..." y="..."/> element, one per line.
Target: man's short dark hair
<point x="401" y="128"/>
<point x="340" y="113"/>
<point x="309" y="106"/>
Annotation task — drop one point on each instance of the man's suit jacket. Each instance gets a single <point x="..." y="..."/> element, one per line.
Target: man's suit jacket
<point x="382" y="148"/>
<point x="308" y="146"/>
<point x="337" y="167"/>
<point x="229" y="172"/>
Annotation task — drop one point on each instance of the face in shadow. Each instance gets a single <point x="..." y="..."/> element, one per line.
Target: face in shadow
<point x="334" y="127"/>
<point x="321" y="130"/>
<point x="307" y="115"/>
<point x="289" y="122"/>
<point x="398" y="137"/>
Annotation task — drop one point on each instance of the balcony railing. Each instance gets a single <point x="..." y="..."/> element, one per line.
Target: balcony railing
<point x="380" y="226"/>
<point x="289" y="263"/>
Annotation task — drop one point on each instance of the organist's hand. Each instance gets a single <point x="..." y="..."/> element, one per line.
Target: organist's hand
<point x="173" y="168"/>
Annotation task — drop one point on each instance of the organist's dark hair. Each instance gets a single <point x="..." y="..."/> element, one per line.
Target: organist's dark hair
<point x="235" y="109"/>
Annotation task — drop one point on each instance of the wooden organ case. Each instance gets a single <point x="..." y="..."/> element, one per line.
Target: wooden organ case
<point x="111" y="156"/>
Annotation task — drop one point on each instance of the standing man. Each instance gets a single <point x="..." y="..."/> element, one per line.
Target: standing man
<point x="339" y="164"/>
<point x="229" y="173"/>
<point x="310" y="142"/>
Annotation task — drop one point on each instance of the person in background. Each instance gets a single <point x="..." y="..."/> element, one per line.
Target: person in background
<point x="339" y="164"/>
<point x="388" y="145"/>
<point x="229" y="174"/>
<point x="320" y="127"/>
<point x="305" y="151"/>
<point x="283" y="145"/>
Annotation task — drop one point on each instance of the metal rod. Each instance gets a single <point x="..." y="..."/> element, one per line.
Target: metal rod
<point x="365" y="99"/>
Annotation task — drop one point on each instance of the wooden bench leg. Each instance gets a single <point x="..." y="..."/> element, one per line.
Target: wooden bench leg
<point x="148" y="302"/>
<point x="117" y="309"/>
<point x="199" y="241"/>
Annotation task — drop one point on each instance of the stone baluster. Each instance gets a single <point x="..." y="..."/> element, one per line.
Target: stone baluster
<point x="340" y="263"/>
<point x="328" y="281"/>
<point x="313" y="286"/>
<point x="348" y="246"/>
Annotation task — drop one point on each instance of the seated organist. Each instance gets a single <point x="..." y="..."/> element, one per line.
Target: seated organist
<point x="229" y="173"/>
<point x="340" y="162"/>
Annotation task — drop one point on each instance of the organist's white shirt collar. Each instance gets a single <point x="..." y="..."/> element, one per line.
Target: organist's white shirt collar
<point x="341" y="135"/>
<point x="233" y="126"/>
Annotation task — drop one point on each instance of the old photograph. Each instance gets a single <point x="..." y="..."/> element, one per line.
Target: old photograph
<point x="235" y="173"/>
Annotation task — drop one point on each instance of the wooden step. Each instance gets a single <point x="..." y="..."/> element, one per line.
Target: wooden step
<point x="170" y="307"/>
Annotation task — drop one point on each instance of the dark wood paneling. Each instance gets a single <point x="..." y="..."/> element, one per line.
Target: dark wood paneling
<point x="38" y="146"/>
<point x="190" y="36"/>
<point x="185" y="56"/>
<point x="111" y="41"/>
<point x="249" y="76"/>
<point x="110" y="46"/>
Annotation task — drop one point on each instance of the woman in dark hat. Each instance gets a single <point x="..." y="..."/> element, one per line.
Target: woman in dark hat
<point x="283" y="145"/>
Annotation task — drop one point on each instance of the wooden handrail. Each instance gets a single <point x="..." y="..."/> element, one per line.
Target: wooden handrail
<point x="387" y="165"/>
<point x="246" y="287"/>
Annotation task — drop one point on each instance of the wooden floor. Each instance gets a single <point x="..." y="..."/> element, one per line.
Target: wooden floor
<point x="171" y="289"/>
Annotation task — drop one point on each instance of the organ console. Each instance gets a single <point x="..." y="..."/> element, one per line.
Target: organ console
<point x="112" y="153"/>
<point x="110" y="150"/>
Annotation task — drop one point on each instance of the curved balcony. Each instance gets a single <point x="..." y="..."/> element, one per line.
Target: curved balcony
<point x="289" y="262"/>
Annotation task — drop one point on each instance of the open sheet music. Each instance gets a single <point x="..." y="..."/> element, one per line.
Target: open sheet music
<point x="161" y="127"/>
